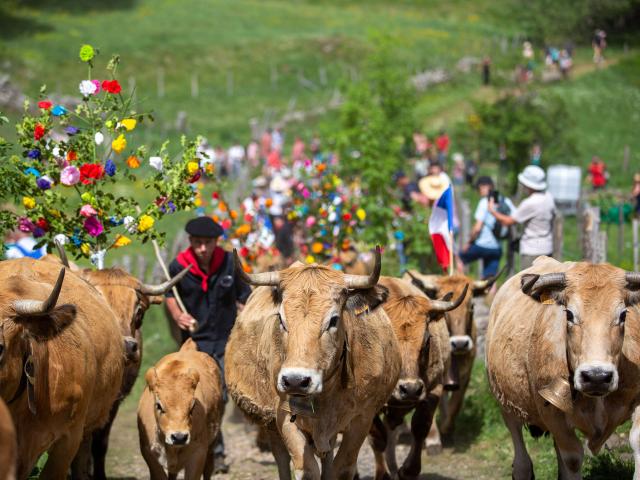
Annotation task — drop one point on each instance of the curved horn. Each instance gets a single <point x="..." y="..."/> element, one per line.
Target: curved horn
<point x="429" y="289"/>
<point x="444" y="306"/>
<point x="356" y="282"/>
<point x="532" y="284"/>
<point x="164" y="287"/>
<point x="62" y="253"/>
<point x="479" y="285"/>
<point x="269" y="279"/>
<point x="633" y="279"/>
<point x="38" y="307"/>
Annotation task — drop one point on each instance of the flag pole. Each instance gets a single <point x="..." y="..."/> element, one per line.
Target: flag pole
<point x="451" y="253"/>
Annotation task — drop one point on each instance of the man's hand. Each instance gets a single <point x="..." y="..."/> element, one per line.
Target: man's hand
<point x="492" y="205"/>
<point x="185" y="321"/>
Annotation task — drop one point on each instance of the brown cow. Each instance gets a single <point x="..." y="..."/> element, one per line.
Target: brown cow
<point x="352" y="263"/>
<point x="563" y="353"/>
<point x="8" y="446"/>
<point x="463" y="336"/>
<point x="180" y="413"/>
<point x="310" y="356"/>
<point x="62" y="359"/>
<point x="425" y="349"/>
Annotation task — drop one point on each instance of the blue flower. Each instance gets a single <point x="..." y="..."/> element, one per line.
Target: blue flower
<point x="32" y="171"/>
<point x="115" y="221"/>
<point x="34" y="153"/>
<point x="71" y="130"/>
<point x="110" y="168"/>
<point x="38" y="232"/>
<point x="172" y="206"/>
<point x="44" y="183"/>
<point x="58" y="110"/>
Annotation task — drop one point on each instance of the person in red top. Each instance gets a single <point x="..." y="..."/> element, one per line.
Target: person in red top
<point x="442" y="145"/>
<point x="598" y="173"/>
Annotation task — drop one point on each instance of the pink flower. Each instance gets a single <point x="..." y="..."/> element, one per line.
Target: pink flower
<point x="70" y="175"/>
<point x="97" y="84"/>
<point x="93" y="226"/>
<point x="88" y="211"/>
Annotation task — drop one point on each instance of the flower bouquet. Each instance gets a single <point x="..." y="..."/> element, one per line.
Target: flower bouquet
<point x="79" y="172"/>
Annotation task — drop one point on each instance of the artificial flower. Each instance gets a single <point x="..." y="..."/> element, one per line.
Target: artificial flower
<point x="145" y="223"/>
<point x="98" y="138"/>
<point x="156" y="162"/>
<point x="55" y="213"/>
<point x="86" y="53"/>
<point x="195" y="177"/>
<point x="34" y="153"/>
<point x="45" y="104"/>
<point x="198" y="202"/>
<point x="346" y="216"/>
<point x="85" y="249"/>
<point x="28" y="202"/>
<point x="110" y="168"/>
<point x="133" y="162"/>
<point x="71" y="130"/>
<point x="88" y="211"/>
<point x="72" y="156"/>
<point x="69" y="176"/>
<point x="93" y="226"/>
<point x="268" y="202"/>
<point x="32" y="171"/>
<point x="222" y="207"/>
<point x="129" y="224"/>
<point x="61" y="238"/>
<point x="39" y="131"/>
<point x="114" y="221"/>
<point x="244" y="251"/>
<point x="87" y="197"/>
<point x="111" y="86"/>
<point x="121" y="241"/>
<point x="43" y="224"/>
<point x="87" y="87"/>
<point x="233" y="214"/>
<point x="44" y="183"/>
<point x="58" y="111"/>
<point x="38" y="232"/>
<point x="90" y="172"/>
<point x="243" y="229"/>
<point x="192" y="167"/>
<point x="97" y="84"/>
<point x="215" y="195"/>
<point x="129" y="123"/>
<point x="226" y="224"/>
<point x="119" y="144"/>
<point x="25" y="225"/>
<point x="310" y="259"/>
<point x="317" y="247"/>
<point x="361" y="214"/>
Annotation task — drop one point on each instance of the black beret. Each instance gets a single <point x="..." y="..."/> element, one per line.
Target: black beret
<point x="203" y="227"/>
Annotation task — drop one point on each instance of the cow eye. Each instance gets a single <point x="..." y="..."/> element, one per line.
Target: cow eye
<point x="159" y="407"/>
<point x="621" y="319"/>
<point x="282" y="325"/>
<point x="333" y="322"/>
<point x="570" y="317"/>
<point x="1" y="350"/>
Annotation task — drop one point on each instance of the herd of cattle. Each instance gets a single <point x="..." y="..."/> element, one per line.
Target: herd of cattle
<point x="320" y="360"/>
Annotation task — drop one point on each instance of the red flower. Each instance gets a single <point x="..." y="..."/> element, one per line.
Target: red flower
<point x="39" y="131"/>
<point x="215" y="195"/>
<point x="346" y="216"/>
<point x="244" y="251"/>
<point x="42" y="223"/>
<point x="45" y="104"/>
<point x="90" y="172"/>
<point x="111" y="86"/>
<point x="248" y="218"/>
<point x="72" y="155"/>
<point x="195" y="177"/>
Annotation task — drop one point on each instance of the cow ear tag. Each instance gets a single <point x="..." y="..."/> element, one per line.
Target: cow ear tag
<point x="546" y="299"/>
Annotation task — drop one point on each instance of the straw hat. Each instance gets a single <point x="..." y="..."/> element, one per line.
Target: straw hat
<point x="432" y="186"/>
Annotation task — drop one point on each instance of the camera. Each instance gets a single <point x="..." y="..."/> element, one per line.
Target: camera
<point x="495" y="194"/>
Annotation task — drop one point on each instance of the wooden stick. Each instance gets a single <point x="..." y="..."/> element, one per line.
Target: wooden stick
<point x="451" y="253"/>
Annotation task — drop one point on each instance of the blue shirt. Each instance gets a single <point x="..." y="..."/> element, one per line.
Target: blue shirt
<point x="486" y="239"/>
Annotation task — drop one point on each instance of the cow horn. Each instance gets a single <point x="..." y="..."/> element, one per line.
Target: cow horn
<point x="418" y="282"/>
<point x="356" y="282"/>
<point x="531" y="284"/>
<point x="479" y="285"/>
<point x="269" y="279"/>
<point x="633" y="279"/>
<point x="438" y="306"/>
<point x="38" y="307"/>
<point x="62" y="253"/>
<point x="164" y="287"/>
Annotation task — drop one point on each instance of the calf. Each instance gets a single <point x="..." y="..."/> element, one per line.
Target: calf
<point x="180" y="413"/>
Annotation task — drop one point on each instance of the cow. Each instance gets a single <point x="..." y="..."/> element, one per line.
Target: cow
<point x="61" y="361"/>
<point x="352" y="262"/>
<point x="425" y="349"/>
<point x="180" y="413"/>
<point x="8" y="446"/>
<point x="463" y="336"/>
<point x="312" y="355"/>
<point x="563" y="353"/>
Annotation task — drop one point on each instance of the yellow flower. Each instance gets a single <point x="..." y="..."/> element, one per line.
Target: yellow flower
<point x="129" y="123"/>
<point x="198" y="202"/>
<point x="243" y="229"/>
<point x="317" y="247"/>
<point x="28" y="202"/>
<point x="121" y="241"/>
<point x="55" y="213"/>
<point x="119" y="144"/>
<point x="192" y="167"/>
<point x="209" y="168"/>
<point x="361" y="214"/>
<point x="145" y="223"/>
<point x="133" y="162"/>
<point x="309" y="259"/>
<point x="84" y="248"/>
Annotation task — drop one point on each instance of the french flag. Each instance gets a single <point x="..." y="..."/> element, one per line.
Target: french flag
<point x="440" y="227"/>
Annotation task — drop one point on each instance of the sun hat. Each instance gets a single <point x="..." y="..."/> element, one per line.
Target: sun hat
<point x="533" y="177"/>
<point x="432" y="186"/>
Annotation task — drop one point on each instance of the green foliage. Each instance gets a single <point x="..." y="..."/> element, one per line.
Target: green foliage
<point x="508" y="128"/>
<point x="376" y="121"/>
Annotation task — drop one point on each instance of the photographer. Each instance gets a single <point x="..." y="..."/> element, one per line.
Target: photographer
<point x="536" y="213"/>
<point x="486" y="232"/>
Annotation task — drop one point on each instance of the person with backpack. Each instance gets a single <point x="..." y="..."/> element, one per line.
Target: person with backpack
<point x="487" y="233"/>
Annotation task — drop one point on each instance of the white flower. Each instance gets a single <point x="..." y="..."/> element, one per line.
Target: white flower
<point x="61" y="238"/>
<point x="130" y="224"/>
<point x="156" y="162"/>
<point x="337" y="201"/>
<point x="332" y="217"/>
<point x="99" y="138"/>
<point x="56" y="151"/>
<point x="87" y="87"/>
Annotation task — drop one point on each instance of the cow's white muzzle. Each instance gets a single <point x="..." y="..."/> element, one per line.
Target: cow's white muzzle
<point x="461" y="344"/>
<point x="596" y="379"/>
<point x="300" y="381"/>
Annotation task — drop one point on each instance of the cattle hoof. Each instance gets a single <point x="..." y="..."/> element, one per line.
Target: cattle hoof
<point x="433" y="450"/>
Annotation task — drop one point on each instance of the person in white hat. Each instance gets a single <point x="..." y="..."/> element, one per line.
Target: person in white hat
<point x="536" y="214"/>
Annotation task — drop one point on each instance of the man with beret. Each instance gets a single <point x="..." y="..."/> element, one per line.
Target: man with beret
<point x="210" y="293"/>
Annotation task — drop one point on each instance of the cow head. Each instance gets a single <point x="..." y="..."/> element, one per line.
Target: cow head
<point x="26" y="323"/>
<point x="410" y="316"/>
<point x="173" y="386"/>
<point x="594" y="301"/>
<point x="129" y="299"/>
<point x="314" y="306"/>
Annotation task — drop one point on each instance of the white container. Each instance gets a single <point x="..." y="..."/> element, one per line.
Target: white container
<point x="564" y="183"/>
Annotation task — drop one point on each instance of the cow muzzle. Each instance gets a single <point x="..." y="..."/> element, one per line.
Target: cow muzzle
<point x="596" y="379"/>
<point x="177" y="439"/>
<point x="300" y="381"/>
<point x="461" y="344"/>
<point x="409" y="390"/>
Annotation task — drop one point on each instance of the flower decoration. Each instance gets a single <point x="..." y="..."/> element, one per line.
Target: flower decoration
<point x="28" y="202"/>
<point x="39" y="131"/>
<point x="129" y="123"/>
<point x="44" y="183"/>
<point x="133" y="162"/>
<point x="119" y="144"/>
<point x="145" y="223"/>
<point x="111" y="86"/>
<point x="110" y="168"/>
<point x="69" y="176"/>
<point x="98" y="138"/>
<point x="86" y="53"/>
<point x="121" y="241"/>
<point x="156" y="162"/>
<point x="45" y="104"/>
<point x="90" y="172"/>
<point x="59" y="111"/>
<point x="87" y="87"/>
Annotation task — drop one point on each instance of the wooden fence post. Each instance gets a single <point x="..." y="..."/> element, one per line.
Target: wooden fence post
<point x="636" y="246"/>
<point x="590" y="237"/>
<point x="558" y="236"/>
<point x="601" y="250"/>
